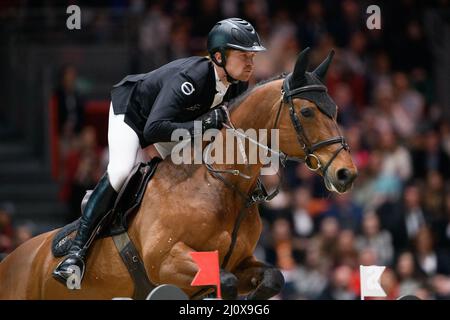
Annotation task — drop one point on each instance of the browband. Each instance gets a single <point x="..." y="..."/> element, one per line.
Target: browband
<point x="312" y="87"/>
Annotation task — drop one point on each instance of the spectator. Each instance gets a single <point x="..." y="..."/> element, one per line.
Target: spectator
<point x="284" y="251"/>
<point x="346" y="211"/>
<point x="82" y="170"/>
<point x="70" y="105"/>
<point x="313" y="26"/>
<point x="343" y="97"/>
<point x="380" y="241"/>
<point x="299" y="175"/>
<point x="302" y="219"/>
<point x="339" y="287"/>
<point x="441" y="226"/>
<point x="154" y="40"/>
<point x="396" y="158"/>
<point x="326" y="241"/>
<point x="407" y="98"/>
<point x="23" y="233"/>
<point x="367" y="257"/>
<point x="430" y="260"/>
<point x="445" y="136"/>
<point x="434" y="194"/>
<point x="409" y="278"/>
<point x="346" y="253"/>
<point x="380" y="71"/>
<point x="6" y="233"/>
<point x="431" y="157"/>
<point x="390" y="284"/>
<point x="390" y="115"/>
<point x="441" y="285"/>
<point x="284" y="254"/>
<point x="360" y="153"/>
<point x="310" y="277"/>
<point x="370" y="191"/>
<point x="404" y="219"/>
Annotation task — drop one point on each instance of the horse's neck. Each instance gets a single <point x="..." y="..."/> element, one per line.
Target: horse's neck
<point x="257" y="111"/>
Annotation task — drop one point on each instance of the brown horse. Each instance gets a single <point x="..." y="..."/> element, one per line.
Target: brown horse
<point x="186" y="208"/>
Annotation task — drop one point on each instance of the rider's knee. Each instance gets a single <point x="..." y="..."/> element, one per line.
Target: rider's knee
<point x="118" y="175"/>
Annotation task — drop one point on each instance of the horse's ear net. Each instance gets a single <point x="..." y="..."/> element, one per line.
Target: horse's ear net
<point x="298" y="74"/>
<point x="322" y="69"/>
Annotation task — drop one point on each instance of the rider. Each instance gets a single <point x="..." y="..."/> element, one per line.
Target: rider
<point x="146" y="108"/>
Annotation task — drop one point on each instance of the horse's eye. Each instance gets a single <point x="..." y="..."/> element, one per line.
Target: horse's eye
<point x="307" y="112"/>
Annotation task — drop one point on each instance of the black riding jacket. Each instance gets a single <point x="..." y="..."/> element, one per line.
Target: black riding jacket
<point x="168" y="98"/>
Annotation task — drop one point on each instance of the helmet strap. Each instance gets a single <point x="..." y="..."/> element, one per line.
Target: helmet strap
<point x="222" y="64"/>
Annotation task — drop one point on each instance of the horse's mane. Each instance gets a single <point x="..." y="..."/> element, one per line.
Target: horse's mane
<point x="237" y="101"/>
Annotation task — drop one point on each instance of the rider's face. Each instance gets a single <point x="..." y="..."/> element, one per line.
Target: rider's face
<point x="240" y="64"/>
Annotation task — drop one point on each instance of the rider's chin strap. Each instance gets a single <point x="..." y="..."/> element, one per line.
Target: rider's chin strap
<point x="222" y="64"/>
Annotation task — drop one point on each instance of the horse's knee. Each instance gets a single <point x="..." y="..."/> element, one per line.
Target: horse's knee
<point x="229" y="285"/>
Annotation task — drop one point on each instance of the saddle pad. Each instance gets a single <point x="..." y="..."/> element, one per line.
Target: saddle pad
<point x="63" y="239"/>
<point x="116" y="220"/>
<point x="129" y="198"/>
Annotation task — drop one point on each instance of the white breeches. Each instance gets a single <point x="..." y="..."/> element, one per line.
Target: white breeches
<point x="124" y="150"/>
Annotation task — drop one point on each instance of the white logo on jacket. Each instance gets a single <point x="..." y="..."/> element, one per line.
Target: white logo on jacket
<point x="187" y="88"/>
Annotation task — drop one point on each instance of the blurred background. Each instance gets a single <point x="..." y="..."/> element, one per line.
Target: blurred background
<point x="392" y="87"/>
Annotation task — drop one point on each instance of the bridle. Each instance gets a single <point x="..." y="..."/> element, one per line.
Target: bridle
<point x="311" y="160"/>
<point x="309" y="148"/>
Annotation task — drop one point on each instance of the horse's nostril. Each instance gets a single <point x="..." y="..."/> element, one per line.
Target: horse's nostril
<point x="344" y="175"/>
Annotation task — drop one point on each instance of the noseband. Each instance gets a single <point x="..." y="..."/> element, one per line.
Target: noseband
<point x="308" y="147"/>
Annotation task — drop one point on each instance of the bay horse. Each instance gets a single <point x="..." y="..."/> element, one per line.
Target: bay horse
<point x="186" y="208"/>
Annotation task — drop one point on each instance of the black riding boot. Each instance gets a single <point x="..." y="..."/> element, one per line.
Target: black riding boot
<point x="99" y="203"/>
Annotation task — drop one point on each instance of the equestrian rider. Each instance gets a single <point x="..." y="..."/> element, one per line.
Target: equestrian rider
<point x="146" y="108"/>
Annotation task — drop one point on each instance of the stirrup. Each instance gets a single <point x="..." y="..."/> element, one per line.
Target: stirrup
<point x="72" y="274"/>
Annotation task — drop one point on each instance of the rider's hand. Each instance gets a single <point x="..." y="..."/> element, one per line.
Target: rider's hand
<point x="213" y="119"/>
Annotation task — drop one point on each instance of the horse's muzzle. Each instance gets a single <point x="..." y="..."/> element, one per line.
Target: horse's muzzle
<point x="341" y="181"/>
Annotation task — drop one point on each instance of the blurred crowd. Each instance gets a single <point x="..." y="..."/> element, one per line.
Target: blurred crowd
<point x="12" y="235"/>
<point x="397" y="214"/>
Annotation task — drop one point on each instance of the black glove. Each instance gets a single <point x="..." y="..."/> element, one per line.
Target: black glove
<point x="213" y="119"/>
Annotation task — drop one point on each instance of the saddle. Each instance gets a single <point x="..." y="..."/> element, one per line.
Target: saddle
<point x="116" y="220"/>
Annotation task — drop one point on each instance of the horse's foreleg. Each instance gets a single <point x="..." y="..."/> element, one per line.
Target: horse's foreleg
<point x="179" y="269"/>
<point x="259" y="279"/>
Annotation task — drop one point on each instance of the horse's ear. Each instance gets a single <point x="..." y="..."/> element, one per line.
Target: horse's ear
<point x="322" y="69"/>
<point x="298" y="75"/>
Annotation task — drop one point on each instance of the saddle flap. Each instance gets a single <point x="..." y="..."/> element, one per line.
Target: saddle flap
<point x="130" y="196"/>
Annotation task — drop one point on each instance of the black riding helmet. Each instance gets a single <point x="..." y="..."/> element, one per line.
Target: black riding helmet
<point x="232" y="33"/>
